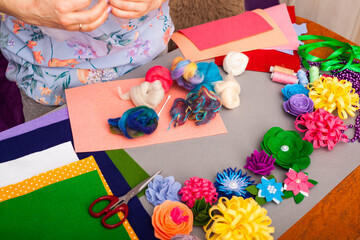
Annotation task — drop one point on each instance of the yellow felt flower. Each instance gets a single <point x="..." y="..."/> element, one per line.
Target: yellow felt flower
<point x="238" y="218"/>
<point x="330" y="93"/>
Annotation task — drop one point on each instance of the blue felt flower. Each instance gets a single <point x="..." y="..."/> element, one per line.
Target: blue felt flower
<point x="231" y="182"/>
<point x="161" y="189"/>
<point x="270" y="190"/>
<point x="292" y="89"/>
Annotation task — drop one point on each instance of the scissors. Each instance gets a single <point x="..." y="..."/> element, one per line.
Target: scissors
<point x="118" y="204"/>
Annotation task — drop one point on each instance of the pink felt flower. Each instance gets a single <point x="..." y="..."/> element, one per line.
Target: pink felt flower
<point x="297" y="183"/>
<point x="321" y="128"/>
<point x="198" y="188"/>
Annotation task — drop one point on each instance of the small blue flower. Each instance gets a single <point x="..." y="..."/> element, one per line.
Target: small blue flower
<point x="231" y="182"/>
<point x="292" y="89"/>
<point x="161" y="189"/>
<point x="270" y="190"/>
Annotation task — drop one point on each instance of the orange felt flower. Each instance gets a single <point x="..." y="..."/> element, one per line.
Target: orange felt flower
<point x="31" y="44"/>
<point x="171" y="218"/>
<point x="38" y="57"/>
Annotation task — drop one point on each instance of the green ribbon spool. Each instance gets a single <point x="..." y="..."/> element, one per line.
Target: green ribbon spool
<point x="342" y="51"/>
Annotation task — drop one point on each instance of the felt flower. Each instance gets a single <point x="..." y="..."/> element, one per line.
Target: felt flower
<point x="321" y="128"/>
<point x="293" y="89"/>
<point x="260" y="163"/>
<point x="171" y="218"/>
<point x="270" y="190"/>
<point x="238" y="218"/>
<point x="161" y="189"/>
<point x="330" y="93"/>
<point x="135" y="122"/>
<point x="298" y="104"/>
<point x="297" y="185"/>
<point x="198" y="188"/>
<point x="200" y="212"/>
<point x="287" y="147"/>
<point x="232" y="183"/>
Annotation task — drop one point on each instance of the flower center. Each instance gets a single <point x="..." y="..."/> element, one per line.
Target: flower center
<point x="284" y="148"/>
<point x="233" y="185"/>
<point x="271" y="189"/>
<point x="297" y="180"/>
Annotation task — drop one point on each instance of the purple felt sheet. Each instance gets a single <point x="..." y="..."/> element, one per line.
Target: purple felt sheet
<point x="11" y="113"/>
<point x="262" y="4"/>
<point x="42" y="121"/>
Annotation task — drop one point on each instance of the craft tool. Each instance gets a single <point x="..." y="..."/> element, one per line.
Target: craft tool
<point x="118" y="204"/>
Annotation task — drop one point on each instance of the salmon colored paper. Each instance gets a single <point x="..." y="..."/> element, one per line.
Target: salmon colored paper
<point x="282" y="18"/>
<point x="270" y="38"/>
<point x="226" y="30"/>
<point x="91" y="106"/>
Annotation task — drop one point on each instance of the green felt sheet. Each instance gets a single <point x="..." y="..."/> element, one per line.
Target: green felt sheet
<point x="128" y="167"/>
<point x="58" y="211"/>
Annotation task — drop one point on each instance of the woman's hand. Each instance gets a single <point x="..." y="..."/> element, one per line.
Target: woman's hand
<point x="69" y="15"/>
<point x="133" y="8"/>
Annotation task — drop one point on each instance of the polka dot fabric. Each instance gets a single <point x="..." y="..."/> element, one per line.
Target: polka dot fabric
<point x="59" y="174"/>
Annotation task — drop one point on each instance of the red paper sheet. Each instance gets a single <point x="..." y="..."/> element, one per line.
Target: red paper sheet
<point x="226" y="30"/>
<point x="291" y="10"/>
<point x="262" y="60"/>
<point x="91" y="106"/>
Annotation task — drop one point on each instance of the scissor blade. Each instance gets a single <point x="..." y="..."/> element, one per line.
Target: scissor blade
<point x="141" y="186"/>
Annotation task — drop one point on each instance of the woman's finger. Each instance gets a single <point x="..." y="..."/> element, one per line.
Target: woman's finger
<point x="125" y="14"/>
<point x="85" y="16"/>
<point x="88" y="27"/>
<point x="71" y="5"/>
<point x="130" y="6"/>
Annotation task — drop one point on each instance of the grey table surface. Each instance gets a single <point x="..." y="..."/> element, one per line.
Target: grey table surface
<point x="260" y="109"/>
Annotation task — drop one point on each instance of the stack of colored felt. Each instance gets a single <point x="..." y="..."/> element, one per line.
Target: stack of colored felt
<point x="45" y="190"/>
<point x="256" y="33"/>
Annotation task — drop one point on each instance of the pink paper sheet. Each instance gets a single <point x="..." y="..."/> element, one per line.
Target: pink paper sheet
<point x="91" y="106"/>
<point x="226" y="30"/>
<point x="270" y="38"/>
<point x="282" y="18"/>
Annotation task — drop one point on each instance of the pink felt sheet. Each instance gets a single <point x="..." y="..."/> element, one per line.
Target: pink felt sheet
<point x="226" y="30"/>
<point x="91" y="106"/>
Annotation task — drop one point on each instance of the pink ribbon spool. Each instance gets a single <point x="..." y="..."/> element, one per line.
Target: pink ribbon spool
<point x="283" y="78"/>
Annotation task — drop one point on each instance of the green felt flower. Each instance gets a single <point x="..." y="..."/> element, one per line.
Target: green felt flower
<point x="201" y="212"/>
<point x="287" y="147"/>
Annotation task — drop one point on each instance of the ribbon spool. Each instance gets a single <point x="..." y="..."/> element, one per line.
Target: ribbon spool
<point x="282" y="69"/>
<point x="283" y="78"/>
<point x="314" y="73"/>
<point x="303" y="80"/>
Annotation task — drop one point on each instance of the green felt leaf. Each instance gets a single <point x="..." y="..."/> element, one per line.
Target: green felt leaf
<point x="260" y="200"/>
<point x="312" y="181"/>
<point x="252" y="189"/>
<point x="271" y="177"/>
<point x="288" y="194"/>
<point x="298" y="198"/>
<point x="201" y="212"/>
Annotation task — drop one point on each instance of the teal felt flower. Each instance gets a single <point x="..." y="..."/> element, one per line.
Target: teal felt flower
<point x="266" y="191"/>
<point x="270" y="189"/>
<point x="287" y="147"/>
<point x="292" y="89"/>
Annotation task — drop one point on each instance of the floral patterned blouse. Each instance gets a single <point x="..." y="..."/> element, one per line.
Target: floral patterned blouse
<point x="44" y="61"/>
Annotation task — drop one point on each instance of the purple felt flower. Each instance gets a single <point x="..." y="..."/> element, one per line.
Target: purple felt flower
<point x="161" y="189"/>
<point x="299" y="104"/>
<point x="260" y="163"/>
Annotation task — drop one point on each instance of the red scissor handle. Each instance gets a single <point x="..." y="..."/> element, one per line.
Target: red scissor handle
<point x="122" y="208"/>
<point x="108" y="212"/>
<point x="112" y="200"/>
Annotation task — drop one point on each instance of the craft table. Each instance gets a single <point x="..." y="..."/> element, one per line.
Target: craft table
<point x="260" y="109"/>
